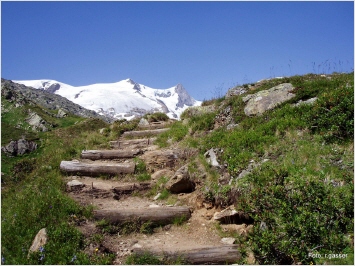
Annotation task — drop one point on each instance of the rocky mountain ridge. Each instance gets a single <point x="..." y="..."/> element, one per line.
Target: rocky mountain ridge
<point x="22" y="94"/>
<point x="124" y="99"/>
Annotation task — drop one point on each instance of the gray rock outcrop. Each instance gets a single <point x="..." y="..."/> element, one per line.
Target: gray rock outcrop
<point x="37" y="122"/>
<point x="61" y="113"/>
<point x="184" y="97"/>
<point x="19" y="147"/>
<point x="235" y="91"/>
<point x="265" y="100"/>
<point x="20" y="94"/>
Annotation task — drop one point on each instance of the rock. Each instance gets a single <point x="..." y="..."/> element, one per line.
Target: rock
<point x="143" y="122"/>
<point x="157" y="196"/>
<point x="39" y="241"/>
<point x="265" y="100"/>
<point x="19" y="147"/>
<point x="75" y="185"/>
<point x="243" y="174"/>
<point x="232" y="126"/>
<point x="136" y="246"/>
<point x="235" y="91"/>
<point x="61" y="113"/>
<point x="263" y="226"/>
<point x="160" y="173"/>
<point x="240" y="229"/>
<point x="211" y="157"/>
<point x="36" y="122"/>
<point x="231" y="216"/>
<point x="309" y="101"/>
<point x="180" y="182"/>
<point x="158" y="159"/>
<point x="228" y="240"/>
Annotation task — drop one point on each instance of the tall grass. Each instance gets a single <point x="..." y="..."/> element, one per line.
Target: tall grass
<point x="38" y="200"/>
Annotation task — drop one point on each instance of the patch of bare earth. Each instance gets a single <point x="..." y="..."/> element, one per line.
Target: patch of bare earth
<point x="198" y="232"/>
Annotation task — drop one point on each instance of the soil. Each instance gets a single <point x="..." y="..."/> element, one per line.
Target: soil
<point x="198" y="232"/>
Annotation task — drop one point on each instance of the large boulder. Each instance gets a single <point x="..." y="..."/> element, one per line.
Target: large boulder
<point x="19" y="147"/>
<point x="181" y="182"/>
<point x="265" y="100"/>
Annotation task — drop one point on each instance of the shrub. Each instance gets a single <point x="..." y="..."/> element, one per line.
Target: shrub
<point x="176" y="132"/>
<point x="295" y="215"/>
<point x="156" y="117"/>
<point x="333" y="114"/>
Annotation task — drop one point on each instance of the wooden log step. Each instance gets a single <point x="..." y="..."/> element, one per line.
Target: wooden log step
<point x="96" y="168"/>
<point x="221" y="255"/>
<point x="158" y="215"/>
<point x="110" y="154"/>
<point x="127" y="189"/>
<point x="142" y="133"/>
<point x="155" y="125"/>
<point x="132" y="143"/>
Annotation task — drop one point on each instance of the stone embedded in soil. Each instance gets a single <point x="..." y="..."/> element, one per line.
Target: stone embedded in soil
<point x="181" y="182"/>
<point x="231" y="216"/>
<point x="39" y="241"/>
<point x="163" y="172"/>
<point x="228" y="240"/>
<point x="75" y="185"/>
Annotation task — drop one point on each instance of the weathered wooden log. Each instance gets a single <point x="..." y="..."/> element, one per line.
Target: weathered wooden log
<point x="133" y="143"/>
<point x="226" y="254"/>
<point x="155" y="125"/>
<point x="158" y="215"/>
<point x="110" y="154"/>
<point x="142" y="133"/>
<point x="128" y="189"/>
<point x="96" y="168"/>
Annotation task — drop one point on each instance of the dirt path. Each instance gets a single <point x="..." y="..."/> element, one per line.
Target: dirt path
<point x="197" y="232"/>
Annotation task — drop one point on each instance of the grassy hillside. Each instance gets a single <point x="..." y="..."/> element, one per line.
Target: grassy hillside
<point x="302" y="188"/>
<point x="299" y="193"/>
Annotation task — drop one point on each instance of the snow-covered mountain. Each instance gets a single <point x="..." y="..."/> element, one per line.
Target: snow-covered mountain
<point x="124" y="99"/>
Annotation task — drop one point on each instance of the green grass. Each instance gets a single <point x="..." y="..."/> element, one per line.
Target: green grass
<point x="176" y="133"/>
<point x="35" y="198"/>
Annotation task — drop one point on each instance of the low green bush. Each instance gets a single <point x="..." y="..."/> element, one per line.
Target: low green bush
<point x="156" y="117"/>
<point x="333" y="114"/>
<point x="296" y="214"/>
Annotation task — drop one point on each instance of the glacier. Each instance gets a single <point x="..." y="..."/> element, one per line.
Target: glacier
<point x="125" y="99"/>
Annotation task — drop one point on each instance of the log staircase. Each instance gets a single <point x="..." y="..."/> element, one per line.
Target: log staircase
<point x="119" y="161"/>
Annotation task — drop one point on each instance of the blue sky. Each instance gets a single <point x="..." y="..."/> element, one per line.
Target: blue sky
<point x="208" y="47"/>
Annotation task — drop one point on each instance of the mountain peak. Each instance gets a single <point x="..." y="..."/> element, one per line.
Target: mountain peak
<point x="123" y="99"/>
<point x="184" y="97"/>
<point x="131" y="81"/>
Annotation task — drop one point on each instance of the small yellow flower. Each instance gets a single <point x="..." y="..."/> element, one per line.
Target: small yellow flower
<point x="96" y="250"/>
